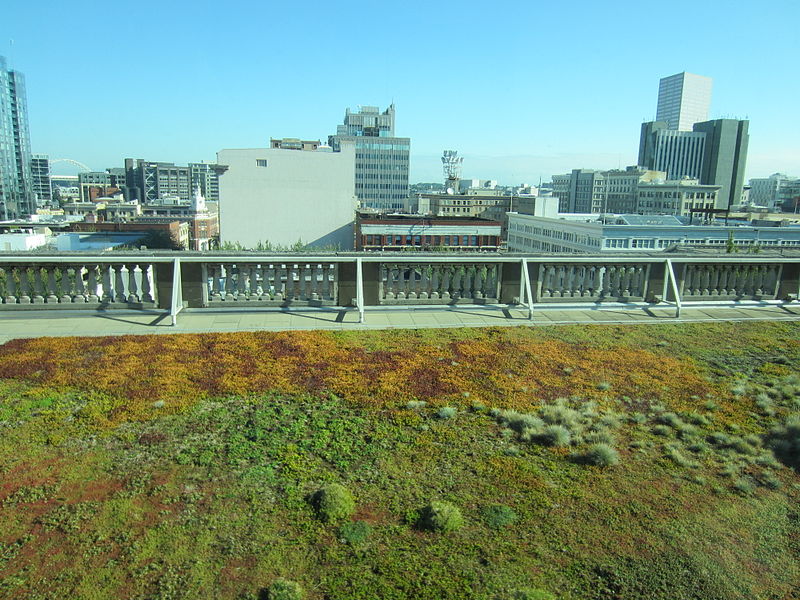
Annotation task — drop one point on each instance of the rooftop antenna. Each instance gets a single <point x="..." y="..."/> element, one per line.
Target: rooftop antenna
<point x="451" y="165"/>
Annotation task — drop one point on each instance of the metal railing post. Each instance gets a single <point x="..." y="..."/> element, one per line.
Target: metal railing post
<point x="177" y="292"/>
<point x="671" y="275"/>
<point x="528" y="291"/>
<point x="360" y="290"/>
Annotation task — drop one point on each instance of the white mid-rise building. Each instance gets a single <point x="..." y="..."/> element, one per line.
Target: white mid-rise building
<point x="282" y="196"/>
<point x="650" y="233"/>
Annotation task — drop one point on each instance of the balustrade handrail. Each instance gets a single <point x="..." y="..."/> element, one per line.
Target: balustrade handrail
<point x="764" y="256"/>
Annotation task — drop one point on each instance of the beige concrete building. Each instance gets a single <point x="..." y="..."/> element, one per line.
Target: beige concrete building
<point x="283" y="196"/>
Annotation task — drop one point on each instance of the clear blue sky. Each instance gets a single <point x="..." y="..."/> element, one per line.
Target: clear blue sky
<point x="521" y="89"/>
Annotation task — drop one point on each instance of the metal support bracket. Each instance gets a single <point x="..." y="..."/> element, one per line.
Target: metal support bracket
<point x="177" y="292"/>
<point x="528" y="292"/>
<point x="674" y="282"/>
<point x="360" y="290"/>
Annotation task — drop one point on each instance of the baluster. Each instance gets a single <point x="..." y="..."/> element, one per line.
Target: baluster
<point x="291" y="272"/>
<point x="92" y="284"/>
<point x="11" y="285"/>
<point x="38" y="286"/>
<point x="423" y="288"/>
<point x="386" y="292"/>
<point x="314" y="282"/>
<point x="229" y="282"/>
<point x="547" y="281"/>
<point x="133" y="285"/>
<point x="758" y="283"/>
<point x="119" y="284"/>
<point x="771" y="280"/>
<point x="591" y="281"/>
<point x="488" y="281"/>
<point x="402" y="282"/>
<point x="479" y="283"/>
<point x="108" y="283"/>
<point x="639" y="280"/>
<point x="24" y="285"/>
<point x="436" y="282"/>
<point x="688" y="276"/>
<point x="447" y="273"/>
<point x="724" y="272"/>
<point x="280" y="294"/>
<point x="627" y="275"/>
<point x="51" y="286"/>
<point x="467" y="281"/>
<point x="570" y="280"/>
<point x="307" y="281"/>
<point x="604" y="282"/>
<point x="215" y="291"/>
<point x="257" y="278"/>
<point x="242" y="281"/>
<point x="67" y="284"/>
<point x="457" y="283"/>
<point x="733" y="289"/>
<point x="332" y="274"/>
<point x="147" y="282"/>
<point x="80" y="286"/>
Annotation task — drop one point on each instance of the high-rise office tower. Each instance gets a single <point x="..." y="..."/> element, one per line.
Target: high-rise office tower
<point x="40" y="178"/>
<point x="381" y="168"/>
<point x="715" y="152"/>
<point x="684" y="143"/>
<point x="678" y="153"/>
<point x="725" y="157"/>
<point x="16" y="191"/>
<point x="683" y="100"/>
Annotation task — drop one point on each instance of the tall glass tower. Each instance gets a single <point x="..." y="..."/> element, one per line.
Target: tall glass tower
<point x="16" y="188"/>
<point x="683" y="100"/>
<point x="381" y="172"/>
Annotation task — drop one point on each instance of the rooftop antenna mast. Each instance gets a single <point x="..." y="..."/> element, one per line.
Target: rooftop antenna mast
<point x="451" y="165"/>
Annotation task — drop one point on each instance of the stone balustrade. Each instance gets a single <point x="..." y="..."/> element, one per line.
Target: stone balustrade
<point x="751" y="281"/>
<point x="176" y="280"/>
<point x="437" y="283"/>
<point x="84" y="284"/>
<point x="271" y="283"/>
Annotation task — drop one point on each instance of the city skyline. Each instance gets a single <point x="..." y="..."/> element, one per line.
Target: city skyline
<point x="515" y="104"/>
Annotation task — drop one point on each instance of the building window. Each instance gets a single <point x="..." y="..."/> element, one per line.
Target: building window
<point x="261" y="162"/>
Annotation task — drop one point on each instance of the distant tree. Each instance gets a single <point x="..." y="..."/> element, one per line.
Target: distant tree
<point x="158" y="239"/>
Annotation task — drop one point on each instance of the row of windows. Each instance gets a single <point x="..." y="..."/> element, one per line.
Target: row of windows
<point x="373" y="146"/>
<point x="380" y="156"/>
<point x="430" y="240"/>
<point x="383" y="176"/>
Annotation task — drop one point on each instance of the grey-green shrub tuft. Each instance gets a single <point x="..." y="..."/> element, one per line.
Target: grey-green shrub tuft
<point x="784" y="440"/>
<point x="446" y="412"/>
<point x="601" y="455"/>
<point x="555" y="435"/>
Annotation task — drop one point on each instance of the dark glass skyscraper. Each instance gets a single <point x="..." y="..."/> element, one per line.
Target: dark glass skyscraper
<point x="381" y="158"/>
<point x="16" y="188"/>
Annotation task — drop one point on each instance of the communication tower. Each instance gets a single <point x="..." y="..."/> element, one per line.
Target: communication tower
<point x="451" y="165"/>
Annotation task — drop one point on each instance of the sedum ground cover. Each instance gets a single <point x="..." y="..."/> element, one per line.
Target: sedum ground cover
<point x="586" y="462"/>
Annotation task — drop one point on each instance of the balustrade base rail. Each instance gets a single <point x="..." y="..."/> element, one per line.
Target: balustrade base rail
<point x="255" y="303"/>
<point x="72" y="305"/>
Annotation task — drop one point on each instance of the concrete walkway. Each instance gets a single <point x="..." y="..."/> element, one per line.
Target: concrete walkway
<point x="15" y="325"/>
